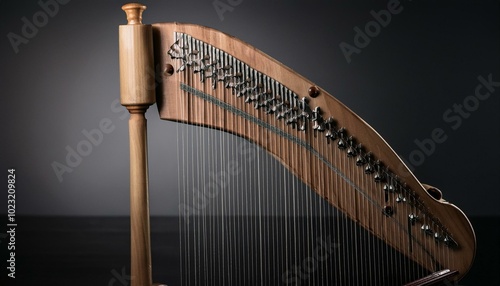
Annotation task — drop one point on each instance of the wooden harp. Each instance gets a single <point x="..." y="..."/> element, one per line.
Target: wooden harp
<point x="201" y="76"/>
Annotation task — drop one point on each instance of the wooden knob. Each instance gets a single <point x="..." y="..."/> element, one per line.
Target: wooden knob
<point x="134" y="13"/>
<point x="313" y="91"/>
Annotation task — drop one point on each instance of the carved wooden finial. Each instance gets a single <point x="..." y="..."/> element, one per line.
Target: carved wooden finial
<point x="134" y="13"/>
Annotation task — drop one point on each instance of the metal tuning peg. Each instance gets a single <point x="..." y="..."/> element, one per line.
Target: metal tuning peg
<point x="284" y="109"/>
<point x="330" y="133"/>
<point x="360" y="159"/>
<point x="341" y="144"/>
<point x="437" y="236"/>
<point x="379" y="174"/>
<point x="386" y="192"/>
<point x="292" y="119"/>
<point x="304" y="113"/>
<point x="267" y="99"/>
<point x="412" y="218"/>
<point x="427" y="229"/>
<point x="388" y="210"/>
<point x="369" y="169"/>
<point x="400" y="199"/>
<point x="244" y="87"/>
<point x="318" y="120"/>
<point x="256" y="95"/>
<point x="351" y="149"/>
<point x="270" y="104"/>
<point x="253" y="93"/>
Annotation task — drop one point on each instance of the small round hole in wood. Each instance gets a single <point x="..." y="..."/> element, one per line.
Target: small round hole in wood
<point x="169" y="70"/>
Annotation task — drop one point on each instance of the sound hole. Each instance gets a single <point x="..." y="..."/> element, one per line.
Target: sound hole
<point x="169" y="70"/>
<point x="435" y="193"/>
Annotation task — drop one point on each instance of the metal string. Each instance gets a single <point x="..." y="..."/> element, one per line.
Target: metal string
<point x="369" y="241"/>
<point x="181" y="201"/>
<point x="322" y="188"/>
<point x="258" y="229"/>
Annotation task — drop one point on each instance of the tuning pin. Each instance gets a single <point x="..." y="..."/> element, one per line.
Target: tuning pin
<point x="341" y="144"/>
<point x="330" y="133"/>
<point x="427" y="229"/>
<point x="400" y="199"/>
<point x="369" y="169"/>
<point x="412" y="218"/>
<point x="303" y="125"/>
<point x="330" y="136"/>
<point x="437" y="236"/>
<point x="316" y="112"/>
<point x="360" y="160"/>
<point x="319" y="124"/>
<point x="388" y="188"/>
<point x="378" y="177"/>
<point x="388" y="210"/>
<point x="351" y="152"/>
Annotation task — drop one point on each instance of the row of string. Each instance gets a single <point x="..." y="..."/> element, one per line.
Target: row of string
<point x="246" y="219"/>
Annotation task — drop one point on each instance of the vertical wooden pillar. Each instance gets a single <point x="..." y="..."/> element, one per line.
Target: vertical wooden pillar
<point x="137" y="94"/>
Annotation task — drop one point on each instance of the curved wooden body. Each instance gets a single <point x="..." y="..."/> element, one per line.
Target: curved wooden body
<point x="183" y="96"/>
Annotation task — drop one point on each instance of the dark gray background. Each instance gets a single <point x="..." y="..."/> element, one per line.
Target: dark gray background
<point x="428" y="58"/>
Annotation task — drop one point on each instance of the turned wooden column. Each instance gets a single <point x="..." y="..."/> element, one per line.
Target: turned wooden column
<point x="137" y="94"/>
